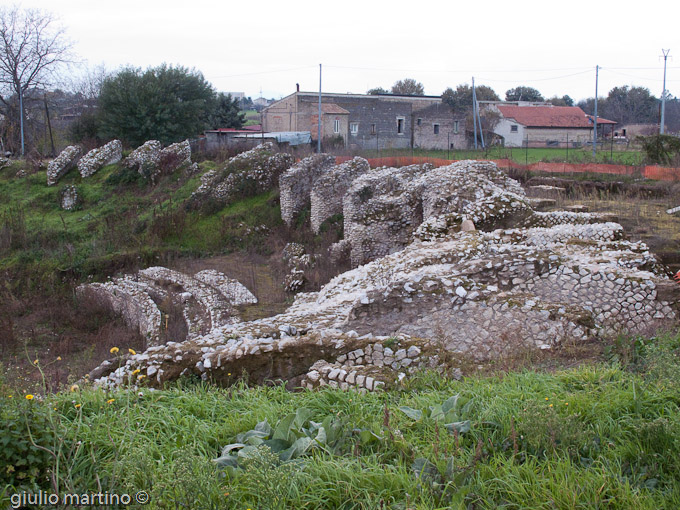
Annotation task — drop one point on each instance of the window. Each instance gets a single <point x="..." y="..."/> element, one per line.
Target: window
<point x="372" y="129"/>
<point x="354" y="127"/>
<point x="436" y="129"/>
<point x="400" y="125"/>
<point x="336" y="126"/>
<point x="455" y="126"/>
<point x="419" y="122"/>
<point x="552" y="143"/>
<point x="513" y="128"/>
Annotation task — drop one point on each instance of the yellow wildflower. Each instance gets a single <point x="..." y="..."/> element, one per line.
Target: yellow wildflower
<point x="551" y="405"/>
<point x="78" y="405"/>
<point x="35" y="362"/>
<point x="566" y="403"/>
<point x="58" y="358"/>
<point x="110" y="401"/>
<point x="114" y="350"/>
<point x="74" y="387"/>
<point x="546" y="398"/>
<point x="135" y="371"/>
<point x="132" y="351"/>
<point x="29" y="397"/>
<point x="141" y="376"/>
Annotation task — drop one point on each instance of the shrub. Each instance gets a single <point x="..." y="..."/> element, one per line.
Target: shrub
<point x="25" y="429"/>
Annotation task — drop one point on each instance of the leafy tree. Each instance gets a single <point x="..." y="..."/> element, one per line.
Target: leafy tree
<point x="461" y="98"/>
<point x="408" y="87"/>
<point x="32" y="49"/>
<point x="377" y="90"/>
<point x="625" y="105"/>
<point x="523" y="93"/>
<point x="661" y="149"/>
<point x="225" y="112"/>
<point x="561" y="101"/>
<point x="164" y="103"/>
<point x="628" y="105"/>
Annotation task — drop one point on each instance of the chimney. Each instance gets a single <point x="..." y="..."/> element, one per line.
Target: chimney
<point x="297" y="87"/>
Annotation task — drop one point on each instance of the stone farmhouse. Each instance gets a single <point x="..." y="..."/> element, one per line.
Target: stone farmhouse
<point x="544" y="125"/>
<point x="361" y="121"/>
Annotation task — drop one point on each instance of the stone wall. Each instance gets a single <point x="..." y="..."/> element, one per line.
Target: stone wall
<point x="382" y="210"/>
<point x="484" y="294"/>
<point x="328" y="190"/>
<point x="175" y="156"/>
<point x="66" y="160"/>
<point x="445" y="289"/>
<point x="295" y="184"/>
<point x="94" y="160"/>
<point x="145" y="158"/>
<point x="246" y="174"/>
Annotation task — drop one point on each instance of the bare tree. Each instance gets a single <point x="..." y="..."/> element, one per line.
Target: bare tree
<point x="32" y="48"/>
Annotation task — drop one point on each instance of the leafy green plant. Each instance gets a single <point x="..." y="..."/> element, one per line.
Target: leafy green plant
<point x="293" y="436"/>
<point x="450" y="412"/>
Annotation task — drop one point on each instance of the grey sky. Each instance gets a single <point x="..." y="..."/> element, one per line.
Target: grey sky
<point x="272" y="45"/>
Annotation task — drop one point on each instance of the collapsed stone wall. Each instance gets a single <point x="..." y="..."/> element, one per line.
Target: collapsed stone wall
<point x="60" y="165"/>
<point x="69" y="199"/>
<point x="295" y="184"/>
<point x="326" y="197"/>
<point x="382" y="210"/>
<point x="145" y="158"/>
<point x="246" y="174"/>
<point x="94" y="160"/>
<point x="386" y="209"/>
<point x="207" y="299"/>
<point x="131" y="300"/>
<point x="479" y="293"/>
<point x="175" y="156"/>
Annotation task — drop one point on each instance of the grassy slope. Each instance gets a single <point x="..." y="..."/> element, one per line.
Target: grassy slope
<point x="598" y="436"/>
<point x="116" y="220"/>
<point x="45" y="252"/>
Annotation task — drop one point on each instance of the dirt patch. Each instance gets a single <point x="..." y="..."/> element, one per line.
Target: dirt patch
<point x="640" y="207"/>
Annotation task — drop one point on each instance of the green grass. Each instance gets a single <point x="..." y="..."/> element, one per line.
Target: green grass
<point x="117" y="221"/>
<point x="523" y="156"/>
<point x="599" y="436"/>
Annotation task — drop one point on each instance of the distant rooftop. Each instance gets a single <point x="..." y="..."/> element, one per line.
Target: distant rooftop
<point x="549" y="116"/>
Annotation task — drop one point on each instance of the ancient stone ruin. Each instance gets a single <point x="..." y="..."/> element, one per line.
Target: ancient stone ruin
<point x="328" y="191"/>
<point x="174" y="156"/>
<point x="207" y="299"/>
<point x="98" y="158"/>
<point x="69" y="200"/>
<point x="66" y="160"/>
<point x="295" y="185"/>
<point x="246" y="174"/>
<point x="145" y="158"/>
<point x="317" y="183"/>
<point x="528" y="280"/>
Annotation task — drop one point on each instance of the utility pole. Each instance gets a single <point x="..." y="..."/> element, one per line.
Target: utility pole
<point x="597" y="73"/>
<point x="663" y="94"/>
<point x="21" y="118"/>
<point x="318" y="131"/>
<point x="474" y="111"/>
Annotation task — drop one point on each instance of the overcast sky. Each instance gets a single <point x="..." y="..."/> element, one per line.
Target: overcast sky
<point x="269" y="46"/>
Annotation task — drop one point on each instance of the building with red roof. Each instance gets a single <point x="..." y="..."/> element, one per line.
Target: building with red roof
<point x="524" y="124"/>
